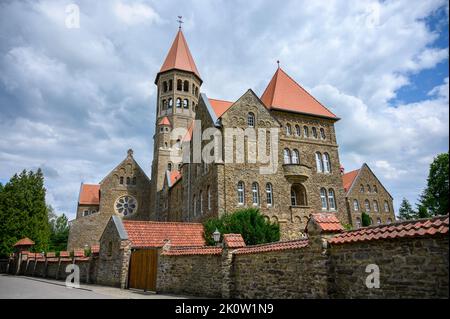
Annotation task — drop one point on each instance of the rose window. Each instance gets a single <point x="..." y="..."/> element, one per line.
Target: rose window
<point x="126" y="205"/>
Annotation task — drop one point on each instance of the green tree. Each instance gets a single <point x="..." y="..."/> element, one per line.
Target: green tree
<point x="405" y="211"/>
<point x="422" y="212"/>
<point x="59" y="227"/>
<point x="250" y="223"/>
<point x="435" y="197"/>
<point x="365" y="219"/>
<point x="23" y="212"/>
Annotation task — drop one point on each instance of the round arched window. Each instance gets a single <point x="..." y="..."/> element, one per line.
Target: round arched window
<point x="126" y="205"/>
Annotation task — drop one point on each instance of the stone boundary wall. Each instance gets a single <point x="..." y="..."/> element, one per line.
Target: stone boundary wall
<point x="197" y="275"/>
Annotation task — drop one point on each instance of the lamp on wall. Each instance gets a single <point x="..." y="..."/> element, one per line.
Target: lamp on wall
<point x="216" y="236"/>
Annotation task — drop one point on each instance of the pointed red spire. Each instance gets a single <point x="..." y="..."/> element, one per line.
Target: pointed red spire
<point x="286" y="94"/>
<point x="179" y="57"/>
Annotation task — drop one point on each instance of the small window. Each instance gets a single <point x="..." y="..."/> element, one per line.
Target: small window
<point x="128" y="181"/>
<point x="295" y="157"/>
<point x="196" y="91"/>
<point x="326" y="163"/>
<point x="331" y="199"/>
<point x="178" y="103"/>
<point x="170" y="85"/>
<point x="93" y="211"/>
<point x="389" y="221"/>
<point x="169" y="167"/>
<point x="164" y="105"/>
<point x="386" y="206"/>
<point x="134" y="180"/>
<point x="355" y="205"/>
<point x="121" y="180"/>
<point x="165" y="86"/>
<point x="287" y="156"/>
<point x="298" y="131"/>
<point x="179" y="85"/>
<point x="379" y="221"/>
<point x="358" y="222"/>
<point x="86" y="212"/>
<point x="314" y="132"/>
<point x="375" y="189"/>
<point x="170" y="103"/>
<point x="322" y="134"/>
<point x="288" y="129"/>
<point x="269" y="194"/>
<point x="319" y="162"/>
<point x="251" y="119"/>
<point x="186" y="103"/>
<point x="193" y="88"/>
<point x="361" y="188"/>
<point x="323" y="198"/>
<point x="375" y="206"/>
<point x="240" y="191"/>
<point x="293" y="197"/>
<point x="255" y="194"/>
<point x="186" y="86"/>
<point x="369" y="189"/>
<point x="305" y="131"/>
<point x="367" y="205"/>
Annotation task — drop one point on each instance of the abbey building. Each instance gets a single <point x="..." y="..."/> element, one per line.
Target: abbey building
<point x="277" y="152"/>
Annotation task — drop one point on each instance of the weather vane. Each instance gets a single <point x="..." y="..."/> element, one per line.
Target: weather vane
<point x="180" y="21"/>
<point x="278" y="62"/>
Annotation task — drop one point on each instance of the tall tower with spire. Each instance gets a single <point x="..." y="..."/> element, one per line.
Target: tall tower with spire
<point x="178" y="87"/>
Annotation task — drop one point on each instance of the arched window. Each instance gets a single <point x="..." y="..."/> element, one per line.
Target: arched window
<point x="170" y="85"/>
<point x="170" y="103"/>
<point x="128" y="181"/>
<point x="298" y="195"/>
<point x="195" y="205"/>
<point x="319" y="162"/>
<point x="269" y="194"/>
<point x="164" y="104"/>
<point x="209" y="198"/>
<point x="375" y="189"/>
<point x="386" y="206"/>
<point x="314" y="132"/>
<point x="121" y="180"/>
<point x="240" y="192"/>
<point x="133" y="180"/>
<point x="326" y="163"/>
<point x="196" y="91"/>
<point x="186" y="86"/>
<point x="358" y="222"/>
<point x="169" y="167"/>
<point x="331" y="199"/>
<point x="186" y="103"/>
<point x="287" y="156"/>
<point x="193" y="88"/>
<point x="367" y="205"/>
<point x="179" y="85"/>
<point x="164" y="86"/>
<point x="361" y="188"/>
<point x="323" y="198"/>
<point x="288" y="129"/>
<point x="355" y="205"/>
<point x="295" y="157"/>
<point x="298" y="131"/>
<point x="201" y="202"/>
<point x="368" y="188"/>
<point x="379" y="221"/>
<point x="178" y="103"/>
<point x="251" y="119"/>
<point x="255" y="194"/>
<point x="322" y="133"/>
<point x="305" y="131"/>
<point x="375" y="206"/>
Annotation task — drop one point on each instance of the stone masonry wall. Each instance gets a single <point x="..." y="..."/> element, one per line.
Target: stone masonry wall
<point x="409" y="268"/>
<point x="197" y="275"/>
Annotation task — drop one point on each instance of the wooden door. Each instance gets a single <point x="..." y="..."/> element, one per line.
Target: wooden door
<point x="143" y="268"/>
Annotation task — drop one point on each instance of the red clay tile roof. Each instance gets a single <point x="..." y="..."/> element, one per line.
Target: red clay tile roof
<point x="208" y="250"/>
<point x="78" y="253"/>
<point x="164" y="121"/>
<point x="95" y="249"/>
<point x="328" y="222"/>
<point x="154" y="234"/>
<point x="415" y="228"/>
<point x="284" y="93"/>
<point x="50" y="254"/>
<point x="64" y="254"/>
<point x="348" y="178"/>
<point x="179" y="57"/>
<point x="89" y="194"/>
<point x="233" y="240"/>
<point x="219" y="106"/>
<point x="174" y="176"/>
<point x="24" y="242"/>
<point x="293" y="244"/>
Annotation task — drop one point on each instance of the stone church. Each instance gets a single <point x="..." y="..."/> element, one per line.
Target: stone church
<point x="277" y="152"/>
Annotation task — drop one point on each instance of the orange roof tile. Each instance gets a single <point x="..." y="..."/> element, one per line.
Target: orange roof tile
<point x="95" y="249"/>
<point x="414" y="228"/>
<point x="89" y="194"/>
<point x="348" y="178"/>
<point x="207" y="250"/>
<point x="328" y="222"/>
<point x="24" y="242"/>
<point x="174" y="177"/>
<point x="64" y="254"/>
<point x="155" y="234"/>
<point x="164" y="121"/>
<point x="233" y="240"/>
<point x="179" y="57"/>
<point x="293" y="244"/>
<point x="219" y="106"/>
<point x="284" y="93"/>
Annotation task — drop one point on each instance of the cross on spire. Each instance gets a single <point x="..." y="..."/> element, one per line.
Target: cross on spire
<point x="180" y="21"/>
<point x="278" y="62"/>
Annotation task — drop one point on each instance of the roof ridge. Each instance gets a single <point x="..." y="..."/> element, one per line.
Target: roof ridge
<point x="159" y="222"/>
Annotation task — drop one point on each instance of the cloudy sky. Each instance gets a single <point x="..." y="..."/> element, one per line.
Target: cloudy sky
<point x="73" y="100"/>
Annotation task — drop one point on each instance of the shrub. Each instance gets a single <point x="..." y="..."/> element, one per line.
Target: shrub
<point x="365" y="219"/>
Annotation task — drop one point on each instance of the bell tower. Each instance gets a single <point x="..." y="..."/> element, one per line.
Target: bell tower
<point x="178" y="87"/>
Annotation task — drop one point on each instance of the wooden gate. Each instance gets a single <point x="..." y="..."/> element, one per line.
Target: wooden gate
<point x="143" y="268"/>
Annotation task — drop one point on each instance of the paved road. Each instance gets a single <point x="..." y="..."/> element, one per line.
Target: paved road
<point x="20" y="287"/>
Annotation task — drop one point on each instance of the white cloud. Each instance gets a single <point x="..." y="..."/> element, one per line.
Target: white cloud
<point x="135" y="13"/>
